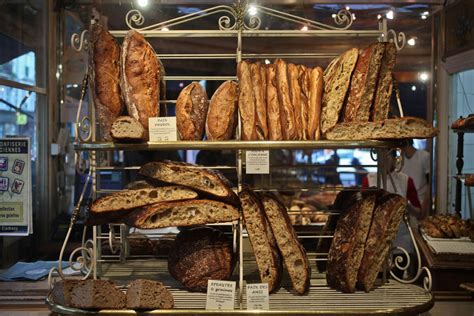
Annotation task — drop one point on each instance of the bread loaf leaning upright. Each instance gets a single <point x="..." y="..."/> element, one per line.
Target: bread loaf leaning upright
<point x="273" y="105"/>
<point x="140" y="78"/>
<point x="191" y="111"/>
<point x="248" y="114"/>
<point x="222" y="114"/>
<point x="295" y="97"/>
<point x="260" y="101"/>
<point x="287" y="114"/>
<point x="316" y="85"/>
<point x="303" y="80"/>
<point x="104" y="69"/>
<point x="383" y="91"/>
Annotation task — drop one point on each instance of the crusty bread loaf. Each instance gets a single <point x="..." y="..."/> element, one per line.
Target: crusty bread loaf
<point x="383" y="91"/>
<point x="388" y="213"/>
<point x="127" y="129"/>
<point x="104" y="78"/>
<point x="140" y="78"/>
<point x="399" y="128"/>
<point x="61" y="291"/>
<point x="287" y="115"/>
<point x="222" y="115"/>
<point x="293" y="253"/>
<point x="348" y="244"/>
<point x="303" y="80"/>
<point x="145" y="294"/>
<point x="363" y="82"/>
<point x="260" y="101"/>
<point x="129" y="199"/>
<point x="205" y="181"/>
<point x="191" y="111"/>
<point x="316" y="85"/>
<point x="295" y="98"/>
<point x="97" y="294"/>
<point x="198" y="255"/>
<point x="260" y="234"/>
<point x="336" y="83"/>
<point x="248" y="114"/>
<point x="273" y="105"/>
<point x="181" y="213"/>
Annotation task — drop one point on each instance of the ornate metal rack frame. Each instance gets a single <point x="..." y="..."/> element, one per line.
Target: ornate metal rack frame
<point x="236" y="21"/>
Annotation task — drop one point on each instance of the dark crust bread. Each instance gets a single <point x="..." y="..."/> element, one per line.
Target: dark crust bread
<point x="61" y="292"/>
<point x="260" y="101"/>
<point x="191" y="111"/>
<point x="104" y="78"/>
<point x="287" y="114"/>
<point x="303" y="80"/>
<point x="97" y="294"/>
<point x="348" y="244"/>
<point x="262" y="240"/>
<point x="222" y="114"/>
<point x="200" y="254"/>
<point x="208" y="182"/>
<point x="145" y="294"/>
<point x="140" y="78"/>
<point x="248" y="114"/>
<point x="384" y="88"/>
<point x="182" y="213"/>
<point x="293" y="253"/>
<point x="386" y="219"/>
<point x="273" y="105"/>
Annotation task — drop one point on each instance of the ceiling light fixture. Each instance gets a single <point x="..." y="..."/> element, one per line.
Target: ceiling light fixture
<point x="267" y="62"/>
<point x="252" y="10"/>
<point x="423" y="76"/>
<point x="348" y="8"/>
<point x="304" y="28"/>
<point x="389" y="15"/>
<point x="425" y="15"/>
<point x="333" y="15"/>
<point x="411" y="41"/>
<point x="142" y="3"/>
<point x="413" y="88"/>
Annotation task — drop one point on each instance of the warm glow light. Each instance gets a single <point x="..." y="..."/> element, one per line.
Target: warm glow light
<point x="142" y="3"/>
<point x="304" y="28"/>
<point x="411" y="41"/>
<point x="165" y="29"/>
<point x="348" y="8"/>
<point x="333" y="15"/>
<point x="181" y="84"/>
<point x="413" y="88"/>
<point x="267" y="62"/>
<point x="423" y="76"/>
<point x="353" y="16"/>
<point x="424" y="17"/>
<point x="379" y="16"/>
<point x="252" y="10"/>
<point x="389" y="15"/>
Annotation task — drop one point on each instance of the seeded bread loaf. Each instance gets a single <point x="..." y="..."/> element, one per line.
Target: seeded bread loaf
<point x="363" y="82"/>
<point x="348" y="244"/>
<point x="222" y="114"/>
<point x="262" y="241"/>
<point x="191" y="111"/>
<point x="287" y="114"/>
<point x="273" y="105"/>
<point x="295" y="98"/>
<point x="205" y="181"/>
<point x="399" y="128"/>
<point x="97" y="294"/>
<point x="316" y="86"/>
<point x="200" y="254"/>
<point x="140" y="78"/>
<point x="248" y="114"/>
<point x="336" y="83"/>
<point x="260" y="101"/>
<point x="148" y="294"/>
<point x="127" y="129"/>
<point x="181" y="213"/>
<point x="293" y="253"/>
<point x="383" y="91"/>
<point x="104" y="79"/>
<point x="388" y="213"/>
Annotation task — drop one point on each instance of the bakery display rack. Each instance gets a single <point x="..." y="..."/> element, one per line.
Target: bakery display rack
<point x="236" y="21"/>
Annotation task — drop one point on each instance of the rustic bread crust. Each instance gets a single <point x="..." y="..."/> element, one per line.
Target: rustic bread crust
<point x="127" y="129"/>
<point x="287" y="115"/>
<point x="384" y="88"/>
<point x="260" y="101"/>
<point x="248" y="114"/>
<point x="316" y="85"/>
<point x="469" y="180"/>
<point x="303" y="80"/>
<point x="222" y="115"/>
<point x="273" y="105"/>
<point x="104" y="79"/>
<point x="191" y="111"/>
<point x="295" y="97"/>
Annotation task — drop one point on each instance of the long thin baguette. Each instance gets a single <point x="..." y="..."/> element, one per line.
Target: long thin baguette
<point x="295" y="97"/>
<point x="247" y="105"/>
<point x="287" y="115"/>
<point x="303" y="79"/>
<point x="294" y="255"/>
<point x="273" y="105"/>
<point x="316" y="84"/>
<point x="260" y="104"/>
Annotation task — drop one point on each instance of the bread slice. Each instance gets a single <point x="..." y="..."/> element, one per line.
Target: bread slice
<point x="387" y="216"/>
<point x="336" y="83"/>
<point x="182" y="213"/>
<point x="399" y="128"/>
<point x="384" y="88"/>
<point x="262" y="240"/>
<point x="127" y="129"/>
<point x="293" y="253"/>
<point x="62" y="292"/>
<point x="208" y="182"/>
<point x="97" y="294"/>
<point x="348" y="244"/>
<point x="145" y="294"/>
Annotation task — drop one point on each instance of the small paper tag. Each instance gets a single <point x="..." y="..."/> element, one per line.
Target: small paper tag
<point x="162" y="129"/>
<point x="220" y="294"/>
<point x="257" y="162"/>
<point x="257" y="296"/>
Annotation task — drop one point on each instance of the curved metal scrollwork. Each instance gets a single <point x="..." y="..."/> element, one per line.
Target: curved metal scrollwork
<point x="344" y="18"/>
<point x="79" y="42"/>
<point x="83" y="125"/>
<point x="399" y="40"/>
<point x="134" y="18"/>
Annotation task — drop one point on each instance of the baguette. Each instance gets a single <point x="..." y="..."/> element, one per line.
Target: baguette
<point x="287" y="115"/>
<point x="273" y="105"/>
<point x="181" y="213"/>
<point x="384" y="88"/>
<point x="386" y="219"/>
<point x="262" y="240"/>
<point x="248" y="115"/>
<point x="303" y="79"/>
<point x="260" y="104"/>
<point x="293" y="253"/>
<point x="104" y="67"/>
<point x="191" y="111"/>
<point x="210" y="183"/>
<point x="315" y="97"/>
<point x="399" y="128"/>
<point x="127" y="129"/>
<point x="295" y="98"/>
<point x="222" y="115"/>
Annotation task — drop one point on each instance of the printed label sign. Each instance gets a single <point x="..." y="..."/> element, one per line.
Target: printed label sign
<point x="220" y="294"/>
<point x="162" y="129"/>
<point x="257" y="296"/>
<point x="257" y="162"/>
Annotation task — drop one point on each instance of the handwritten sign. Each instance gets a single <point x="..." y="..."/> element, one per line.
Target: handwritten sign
<point x="257" y="296"/>
<point x="220" y="294"/>
<point x="162" y="129"/>
<point x="257" y="162"/>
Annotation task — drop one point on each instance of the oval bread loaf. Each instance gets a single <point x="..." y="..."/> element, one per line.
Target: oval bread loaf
<point x="191" y="111"/>
<point x="222" y="114"/>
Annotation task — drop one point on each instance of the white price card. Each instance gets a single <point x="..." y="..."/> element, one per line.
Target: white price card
<point x="162" y="129"/>
<point x="220" y="294"/>
<point x="257" y="296"/>
<point x="257" y="162"/>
